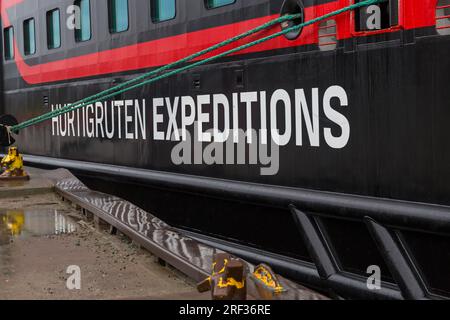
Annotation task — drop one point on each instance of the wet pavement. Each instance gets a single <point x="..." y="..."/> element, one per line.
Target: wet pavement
<point x="17" y="225"/>
<point x="37" y="185"/>
<point x="20" y="224"/>
<point x="188" y="255"/>
<point x="39" y="242"/>
<point x="48" y="237"/>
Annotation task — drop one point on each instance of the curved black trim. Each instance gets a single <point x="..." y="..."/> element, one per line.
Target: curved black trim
<point x="400" y="266"/>
<point x="341" y="283"/>
<point x="398" y="215"/>
<point x="394" y="213"/>
<point x="322" y="258"/>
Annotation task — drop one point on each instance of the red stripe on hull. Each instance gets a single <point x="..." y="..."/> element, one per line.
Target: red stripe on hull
<point x="163" y="51"/>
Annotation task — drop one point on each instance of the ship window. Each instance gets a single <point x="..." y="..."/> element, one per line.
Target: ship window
<point x="118" y="16"/>
<point x="163" y="10"/>
<point x="8" y="34"/>
<point x="327" y="35"/>
<point x="53" y="29"/>
<point x="83" y="28"/>
<point x="443" y="17"/>
<point x="377" y="16"/>
<point x="29" y="37"/>
<point x="210" y="4"/>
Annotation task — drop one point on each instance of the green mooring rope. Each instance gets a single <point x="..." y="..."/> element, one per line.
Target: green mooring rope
<point x="129" y="85"/>
<point x="94" y="98"/>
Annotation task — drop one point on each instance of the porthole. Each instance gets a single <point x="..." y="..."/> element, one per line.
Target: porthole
<point x="293" y="7"/>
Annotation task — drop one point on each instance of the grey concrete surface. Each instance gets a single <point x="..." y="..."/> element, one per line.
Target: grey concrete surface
<point x="33" y="263"/>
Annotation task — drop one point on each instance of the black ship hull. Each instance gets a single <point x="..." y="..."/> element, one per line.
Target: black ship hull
<point x="371" y="154"/>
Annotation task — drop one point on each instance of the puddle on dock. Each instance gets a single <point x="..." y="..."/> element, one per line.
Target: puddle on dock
<point x="19" y="224"/>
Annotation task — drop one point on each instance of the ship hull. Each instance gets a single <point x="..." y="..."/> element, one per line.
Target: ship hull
<point x="360" y="137"/>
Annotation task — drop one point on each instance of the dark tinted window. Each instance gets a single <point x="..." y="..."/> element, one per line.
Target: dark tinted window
<point x="8" y="35"/>
<point x="53" y="29"/>
<point x="83" y="31"/>
<point x="162" y="10"/>
<point x="29" y="37"/>
<point x="118" y="15"/>
<point x="218" y="3"/>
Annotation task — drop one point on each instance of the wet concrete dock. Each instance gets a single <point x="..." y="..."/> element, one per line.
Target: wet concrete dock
<point x="37" y="185"/>
<point x="41" y="236"/>
<point x="53" y="223"/>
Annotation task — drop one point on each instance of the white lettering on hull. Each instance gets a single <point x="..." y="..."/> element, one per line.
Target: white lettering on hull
<point x="304" y="117"/>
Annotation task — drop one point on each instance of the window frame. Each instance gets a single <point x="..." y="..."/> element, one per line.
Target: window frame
<point x="392" y="28"/>
<point x="332" y="44"/>
<point x="34" y="36"/>
<point x="79" y="40"/>
<point x="8" y="58"/>
<point x="221" y="6"/>
<point x="165" y="20"/>
<point x="111" y="31"/>
<point x="441" y="25"/>
<point x="48" y="30"/>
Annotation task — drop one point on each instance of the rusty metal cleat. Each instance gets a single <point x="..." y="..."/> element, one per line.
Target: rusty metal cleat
<point x="228" y="279"/>
<point x="266" y="282"/>
<point x="218" y="267"/>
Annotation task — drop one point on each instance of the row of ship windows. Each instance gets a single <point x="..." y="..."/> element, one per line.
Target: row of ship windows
<point x="163" y="10"/>
<point x="118" y="19"/>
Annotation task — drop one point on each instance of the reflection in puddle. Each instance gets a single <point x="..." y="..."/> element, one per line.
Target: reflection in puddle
<point x="16" y="224"/>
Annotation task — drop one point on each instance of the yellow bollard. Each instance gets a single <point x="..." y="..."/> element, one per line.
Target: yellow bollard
<point x="12" y="165"/>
